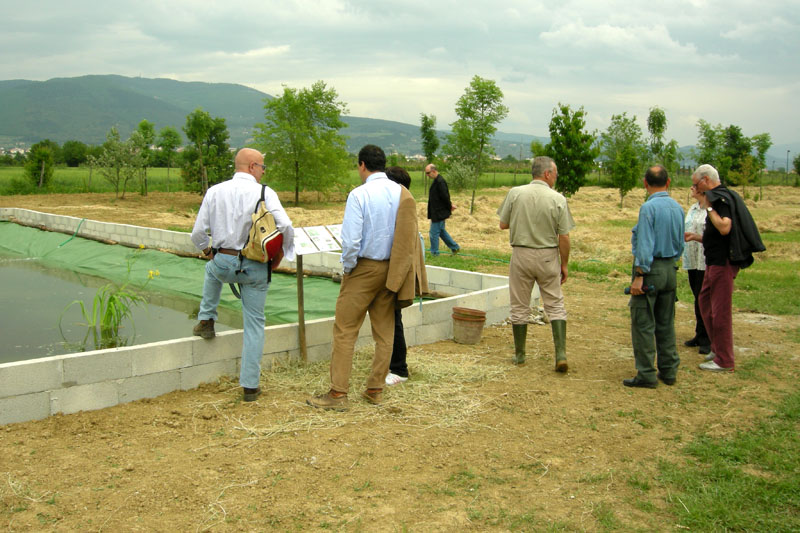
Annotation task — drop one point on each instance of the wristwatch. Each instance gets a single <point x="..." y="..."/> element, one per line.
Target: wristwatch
<point x="709" y="209"/>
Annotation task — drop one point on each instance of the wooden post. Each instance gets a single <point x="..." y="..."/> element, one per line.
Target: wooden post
<point x="301" y="318"/>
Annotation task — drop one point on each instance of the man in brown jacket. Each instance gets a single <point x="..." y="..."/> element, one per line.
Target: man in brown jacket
<point x="378" y="270"/>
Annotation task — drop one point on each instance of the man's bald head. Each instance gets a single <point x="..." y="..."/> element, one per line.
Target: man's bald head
<point x="250" y="161"/>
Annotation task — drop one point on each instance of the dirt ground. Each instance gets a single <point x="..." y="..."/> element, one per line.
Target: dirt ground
<point x="469" y="443"/>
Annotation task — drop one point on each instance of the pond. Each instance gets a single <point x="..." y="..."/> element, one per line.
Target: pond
<point x="37" y="322"/>
<point x="42" y="272"/>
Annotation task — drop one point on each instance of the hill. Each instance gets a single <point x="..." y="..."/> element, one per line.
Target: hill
<point x="84" y="108"/>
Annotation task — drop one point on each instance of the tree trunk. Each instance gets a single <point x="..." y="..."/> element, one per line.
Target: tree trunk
<point x="41" y="176"/>
<point x="296" y="183"/>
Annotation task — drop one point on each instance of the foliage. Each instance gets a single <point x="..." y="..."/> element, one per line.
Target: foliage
<point x="208" y="160"/>
<point x="112" y="304"/>
<point x="537" y="148"/>
<point x="430" y="141"/>
<point x="736" y="147"/>
<point x="796" y="164"/>
<point x="301" y="141"/>
<point x="118" y="162"/>
<point x="168" y="142"/>
<point x="625" y="151"/>
<point x="727" y="148"/>
<point x="657" y="126"/>
<point x="571" y="148"/>
<point x="761" y="142"/>
<point x="460" y="175"/>
<point x="479" y="111"/>
<point x="40" y="164"/>
<point x="74" y="153"/>
<point x="671" y="158"/>
<point x="144" y="140"/>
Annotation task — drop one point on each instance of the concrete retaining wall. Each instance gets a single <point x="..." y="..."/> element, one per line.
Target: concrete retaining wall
<point x="35" y="389"/>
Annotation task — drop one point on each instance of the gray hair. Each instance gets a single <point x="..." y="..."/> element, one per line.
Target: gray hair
<point x="540" y="165"/>
<point x="707" y="171"/>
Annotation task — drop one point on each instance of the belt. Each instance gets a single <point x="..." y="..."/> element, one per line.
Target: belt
<point x="227" y="251"/>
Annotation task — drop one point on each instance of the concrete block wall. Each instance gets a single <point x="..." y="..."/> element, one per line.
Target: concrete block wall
<point x="35" y="389"/>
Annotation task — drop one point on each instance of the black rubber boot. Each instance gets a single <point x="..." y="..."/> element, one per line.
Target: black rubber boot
<point x="520" y="334"/>
<point x="560" y="341"/>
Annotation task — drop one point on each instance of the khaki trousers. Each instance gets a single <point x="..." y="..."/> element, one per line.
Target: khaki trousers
<point x="540" y="265"/>
<point x="363" y="291"/>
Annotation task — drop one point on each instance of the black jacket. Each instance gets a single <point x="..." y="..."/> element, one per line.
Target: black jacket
<point x="439" y="205"/>
<point x="745" y="239"/>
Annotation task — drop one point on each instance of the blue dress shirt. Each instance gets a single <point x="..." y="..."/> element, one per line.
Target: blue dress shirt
<point x="369" y="218"/>
<point x="659" y="231"/>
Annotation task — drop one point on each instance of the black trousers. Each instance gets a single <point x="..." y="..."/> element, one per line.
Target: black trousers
<point x="398" y="365"/>
<point x="696" y="283"/>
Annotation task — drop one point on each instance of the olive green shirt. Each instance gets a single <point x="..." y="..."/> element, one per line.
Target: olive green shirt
<point x="536" y="214"/>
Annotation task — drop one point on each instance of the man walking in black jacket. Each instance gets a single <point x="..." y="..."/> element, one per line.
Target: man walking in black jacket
<point x="439" y="210"/>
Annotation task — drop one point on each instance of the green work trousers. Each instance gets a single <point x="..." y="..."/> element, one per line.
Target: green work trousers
<point x="653" y="323"/>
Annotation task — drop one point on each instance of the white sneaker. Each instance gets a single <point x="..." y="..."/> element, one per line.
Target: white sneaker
<point x="710" y="356"/>
<point x="394" y="379"/>
<point x="714" y="367"/>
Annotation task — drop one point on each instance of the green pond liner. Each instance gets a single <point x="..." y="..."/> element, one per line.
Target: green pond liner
<point x="178" y="276"/>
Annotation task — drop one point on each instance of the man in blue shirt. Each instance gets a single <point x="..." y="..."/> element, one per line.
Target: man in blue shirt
<point x="657" y="242"/>
<point x="368" y="230"/>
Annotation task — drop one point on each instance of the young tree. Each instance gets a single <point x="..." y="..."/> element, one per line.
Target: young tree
<point x="145" y="139"/>
<point x="626" y="152"/>
<point x="208" y="159"/>
<point x="671" y="157"/>
<point x="40" y="163"/>
<point x="762" y="142"/>
<point x="116" y="162"/>
<point x="572" y="148"/>
<point x="74" y="153"/>
<point x="430" y="141"/>
<point x="737" y="147"/>
<point x="300" y="138"/>
<point x="479" y="109"/>
<point x="709" y="143"/>
<point x="657" y="126"/>
<point x="168" y="141"/>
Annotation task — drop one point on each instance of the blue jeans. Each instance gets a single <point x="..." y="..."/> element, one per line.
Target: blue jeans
<point x="254" y="285"/>
<point x="437" y="230"/>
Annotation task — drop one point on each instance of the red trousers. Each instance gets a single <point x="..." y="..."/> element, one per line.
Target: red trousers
<point x="715" y="307"/>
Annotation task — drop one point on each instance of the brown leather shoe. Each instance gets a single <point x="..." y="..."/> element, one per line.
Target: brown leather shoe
<point x="329" y="401"/>
<point x="205" y="329"/>
<point x="373" y="396"/>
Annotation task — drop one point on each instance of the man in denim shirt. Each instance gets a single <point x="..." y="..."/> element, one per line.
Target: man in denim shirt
<point x="657" y="242"/>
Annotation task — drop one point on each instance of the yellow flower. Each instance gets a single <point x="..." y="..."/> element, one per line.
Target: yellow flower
<point x="158" y="273"/>
<point x="150" y="274"/>
<point x="141" y="246"/>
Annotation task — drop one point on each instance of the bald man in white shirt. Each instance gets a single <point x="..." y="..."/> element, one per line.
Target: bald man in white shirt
<point x="221" y="230"/>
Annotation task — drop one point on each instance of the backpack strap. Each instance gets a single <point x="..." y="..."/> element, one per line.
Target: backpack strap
<point x="238" y="293"/>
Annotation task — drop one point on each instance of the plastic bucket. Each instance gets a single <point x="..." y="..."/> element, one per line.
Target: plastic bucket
<point x="468" y="325"/>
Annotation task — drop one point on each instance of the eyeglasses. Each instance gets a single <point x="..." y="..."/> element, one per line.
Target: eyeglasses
<point x="263" y="167"/>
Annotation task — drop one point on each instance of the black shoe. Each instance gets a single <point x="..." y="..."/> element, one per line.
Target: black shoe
<point x="704" y="350"/>
<point x="637" y="382"/>
<point x="692" y="343"/>
<point x="666" y="381"/>
<point x="251" y="395"/>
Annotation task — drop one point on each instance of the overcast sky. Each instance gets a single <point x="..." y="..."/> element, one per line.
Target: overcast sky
<point x="729" y="62"/>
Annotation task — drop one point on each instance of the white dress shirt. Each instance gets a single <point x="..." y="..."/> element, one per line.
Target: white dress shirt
<point x="226" y="214"/>
<point x="369" y="218"/>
